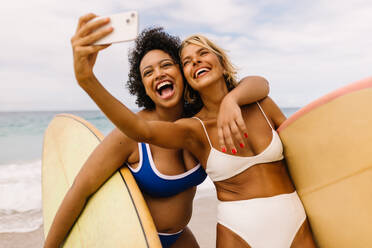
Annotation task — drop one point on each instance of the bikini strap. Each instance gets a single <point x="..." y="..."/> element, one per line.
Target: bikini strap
<point x="264" y="115"/>
<point x="205" y="130"/>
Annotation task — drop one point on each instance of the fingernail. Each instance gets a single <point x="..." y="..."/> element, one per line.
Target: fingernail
<point x="241" y="145"/>
<point x="246" y="135"/>
<point x="223" y="149"/>
<point x="233" y="151"/>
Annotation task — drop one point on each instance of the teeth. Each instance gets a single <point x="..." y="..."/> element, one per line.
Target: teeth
<point x="201" y="70"/>
<point x="163" y="84"/>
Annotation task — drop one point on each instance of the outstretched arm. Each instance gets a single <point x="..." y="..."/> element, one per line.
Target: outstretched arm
<point x="108" y="157"/>
<point x="177" y="135"/>
<point x="166" y="134"/>
<point x="230" y="122"/>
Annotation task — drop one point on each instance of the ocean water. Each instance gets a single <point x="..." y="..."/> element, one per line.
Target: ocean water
<point x="21" y="139"/>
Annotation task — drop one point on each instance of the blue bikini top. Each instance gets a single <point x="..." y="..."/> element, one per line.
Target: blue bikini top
<point x="156" y="184"/>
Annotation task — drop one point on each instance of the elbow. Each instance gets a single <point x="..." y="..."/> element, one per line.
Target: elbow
<point x="266" y="85"/>
<point x="263" y="84"/>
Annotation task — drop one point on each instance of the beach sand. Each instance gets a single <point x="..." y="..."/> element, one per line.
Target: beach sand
<point x="203" y="221"/>
<point x="32" y="239"/>
<point x="202" y="224"/>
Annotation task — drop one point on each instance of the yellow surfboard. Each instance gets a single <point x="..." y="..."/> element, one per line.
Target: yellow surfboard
<point x="116" y="215"/>
<point x="328" y="148"/>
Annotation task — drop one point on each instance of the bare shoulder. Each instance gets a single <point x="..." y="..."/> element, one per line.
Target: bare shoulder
<point x="257" y="78"/>
<point x="272" y="110"/>
<point x="118" y="139"/>
<point x="146" y="114"/>
<point x="187" y="124"/>
<point x="268" y="104"/>
<point x="193" y="128"/>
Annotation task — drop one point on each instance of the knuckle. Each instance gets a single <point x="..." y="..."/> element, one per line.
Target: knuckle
<point x="92" y="49"/>
<point x="82" y="18"/>
<point x="78" y="50"/>
<point x="89" y="15"/>
<point x="235" y="132"/>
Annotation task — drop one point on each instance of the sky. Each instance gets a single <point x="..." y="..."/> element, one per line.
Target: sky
<point x="305" y="49"/>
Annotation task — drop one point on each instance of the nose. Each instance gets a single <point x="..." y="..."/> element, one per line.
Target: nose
<point x="159" y="73"/>
<point x="196" y="60"/>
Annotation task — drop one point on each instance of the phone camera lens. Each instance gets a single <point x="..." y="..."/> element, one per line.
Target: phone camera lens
<point x="128" y="21"/>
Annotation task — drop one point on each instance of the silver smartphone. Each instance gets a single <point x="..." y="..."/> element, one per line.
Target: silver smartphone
<point x="125" y="28"/>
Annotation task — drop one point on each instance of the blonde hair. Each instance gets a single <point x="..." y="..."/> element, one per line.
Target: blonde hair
<point x="229" y="69"/>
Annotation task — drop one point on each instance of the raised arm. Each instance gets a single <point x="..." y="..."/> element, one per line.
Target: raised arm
<point x="107" y="158"/>
<point x="230" y="122"/>
<point x="166" y="134"/>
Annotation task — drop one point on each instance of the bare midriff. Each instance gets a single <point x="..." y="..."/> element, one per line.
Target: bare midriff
<point x="171" y="214"/>
<point x="261" y="180"/>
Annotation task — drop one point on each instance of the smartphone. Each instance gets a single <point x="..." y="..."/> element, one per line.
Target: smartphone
<point x="125" y="28"/>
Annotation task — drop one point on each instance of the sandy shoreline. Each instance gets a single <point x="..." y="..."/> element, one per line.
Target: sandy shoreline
<point x="204" y="220"/>
<point x="32" y="239"/>
<point x="202" y="224"/>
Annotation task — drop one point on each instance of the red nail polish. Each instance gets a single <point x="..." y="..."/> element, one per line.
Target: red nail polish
<point x="241" y="145"/>
<point x="233" y="151"/>
<point x="246" y="135"/>
<point x="223" y="149"/>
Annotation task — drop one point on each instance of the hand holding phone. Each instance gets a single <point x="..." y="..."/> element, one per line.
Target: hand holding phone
<point x="125" y="28"/>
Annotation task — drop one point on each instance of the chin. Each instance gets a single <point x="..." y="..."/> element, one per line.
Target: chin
<point x="171" y="103"/>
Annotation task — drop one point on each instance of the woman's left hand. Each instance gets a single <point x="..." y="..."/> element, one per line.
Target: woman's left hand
<point x="230" y="125"/>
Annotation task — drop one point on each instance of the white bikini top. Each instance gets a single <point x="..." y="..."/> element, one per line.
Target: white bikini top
<point x="221" y="166"/>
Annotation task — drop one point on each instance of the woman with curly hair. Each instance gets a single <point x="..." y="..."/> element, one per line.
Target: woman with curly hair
<point x="166" y="177"/>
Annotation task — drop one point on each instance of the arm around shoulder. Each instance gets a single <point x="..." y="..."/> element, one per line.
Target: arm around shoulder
<point x="250" y="89"/>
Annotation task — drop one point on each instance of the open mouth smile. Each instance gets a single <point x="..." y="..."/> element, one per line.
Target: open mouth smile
<point x="201" y="72"/>
<point x="165" y="89"/>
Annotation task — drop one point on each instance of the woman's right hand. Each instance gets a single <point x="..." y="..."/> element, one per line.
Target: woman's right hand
<point x="230" y="125"/>
<point x="84" y="52"/>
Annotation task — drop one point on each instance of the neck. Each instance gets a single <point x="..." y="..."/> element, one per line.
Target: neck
<point x="169" y="114"/>
<point x="212" y="97"/>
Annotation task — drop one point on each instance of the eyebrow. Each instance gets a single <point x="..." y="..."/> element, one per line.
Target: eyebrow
<point x="161" y="61"/>
<point x="198" y="51"/>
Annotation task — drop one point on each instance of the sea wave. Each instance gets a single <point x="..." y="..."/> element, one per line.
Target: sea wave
<point x="20" y="194"/>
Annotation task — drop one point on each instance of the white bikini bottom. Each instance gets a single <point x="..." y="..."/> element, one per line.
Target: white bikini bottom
<point x="270" y="222"/>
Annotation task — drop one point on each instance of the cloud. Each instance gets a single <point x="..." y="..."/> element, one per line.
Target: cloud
<point x="305" y="49"/>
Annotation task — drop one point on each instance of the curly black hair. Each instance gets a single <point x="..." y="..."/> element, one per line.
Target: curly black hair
<point x="150" y="39"/>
